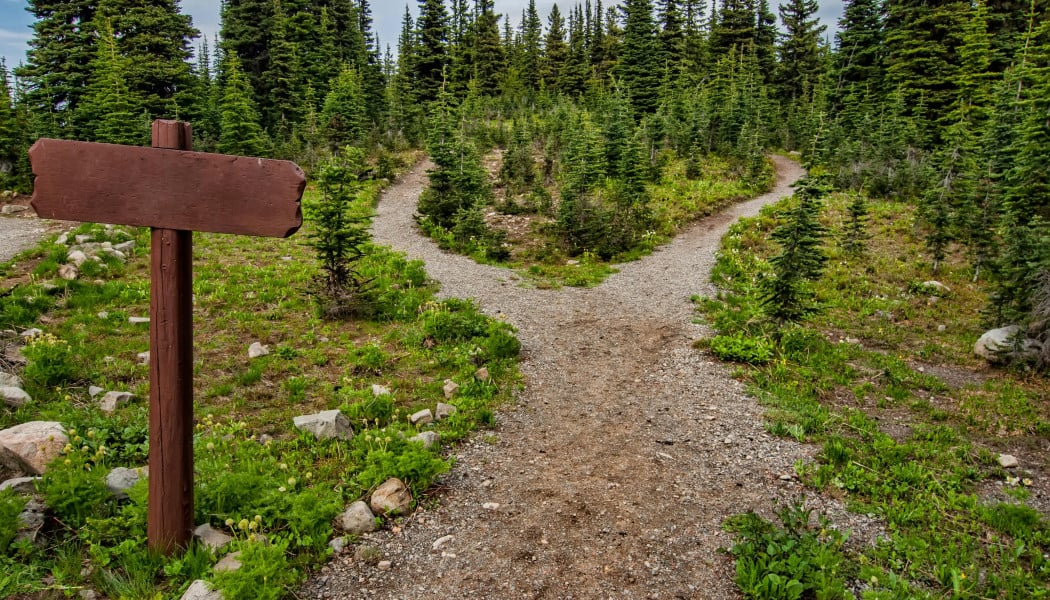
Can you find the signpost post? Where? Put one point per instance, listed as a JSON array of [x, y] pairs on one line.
[[175, 192]]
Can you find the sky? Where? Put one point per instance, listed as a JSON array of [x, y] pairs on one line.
[[15, 22]]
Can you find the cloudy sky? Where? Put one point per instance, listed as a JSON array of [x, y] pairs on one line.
[[15, 21]]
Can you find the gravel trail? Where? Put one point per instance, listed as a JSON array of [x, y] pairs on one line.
[[626, 451], [17, 234]]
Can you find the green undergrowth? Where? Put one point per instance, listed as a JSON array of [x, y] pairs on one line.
[[275, 490], [909, 424], [523, 230]]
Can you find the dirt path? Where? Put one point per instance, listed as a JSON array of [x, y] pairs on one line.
[[625, 454], [17, 234]]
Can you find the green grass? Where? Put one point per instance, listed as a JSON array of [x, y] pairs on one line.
[[245, 290], [869, 353]]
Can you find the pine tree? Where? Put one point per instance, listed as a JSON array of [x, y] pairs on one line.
[[532, 33], [108, 112], [855, 232], [765, 40], [156, 41], [345, 116], [458, 182], [858, 59], [432, 54], [370, 65], [58, 66], [1025, 226], [555, 50], [638, 68], [671, 36], [944, 205], [280, 111], [489, 57], [575, 74], [922, 42], [788, 298], [245, 31], [241, 132], [340, 236], [800, 60], [10, 133], [733, 27]]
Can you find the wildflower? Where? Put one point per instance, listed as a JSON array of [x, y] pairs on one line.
[[291, 481], [229, 522], [258, 518], [67, 449], [253, 526], [68, 462], [282, 489], [243, 524], [1026, 481], [210, 446], [283, 466], [91, 433]]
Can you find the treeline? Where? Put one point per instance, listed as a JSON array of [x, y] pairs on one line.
[[943, 103]]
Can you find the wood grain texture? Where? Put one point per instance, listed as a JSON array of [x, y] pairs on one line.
[[168, 188], [169, 526]]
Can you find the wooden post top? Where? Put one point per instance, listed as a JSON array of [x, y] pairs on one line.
[[170, 189]]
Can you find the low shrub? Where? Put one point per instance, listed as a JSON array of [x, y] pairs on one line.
[[739, 347]]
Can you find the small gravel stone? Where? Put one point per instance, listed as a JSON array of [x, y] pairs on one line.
[[1008, 461]]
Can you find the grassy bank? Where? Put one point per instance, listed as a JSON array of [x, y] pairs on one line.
[[910, 423], [256, 477]]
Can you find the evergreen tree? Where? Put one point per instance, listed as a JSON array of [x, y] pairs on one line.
[[800, 60], [1025, 228], [241, 132], [432, 54], [555, 50], [945, 205], [489, 58], [59, 59], [108, 113], [531, 35], [345, 115], [245, 31], [858, 59], [10, 133], [733, 27], [855, 232], [765, 40], [458, 183], [638, 69], [155, 39], [922, 42], [340, 236], [283, 85], [788, 298], [671, 36], [575, 74]]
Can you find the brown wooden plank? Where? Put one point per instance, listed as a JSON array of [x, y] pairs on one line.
[[171, 189], [170, 511]]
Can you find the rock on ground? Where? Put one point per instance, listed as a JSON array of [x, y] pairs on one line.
[[325, 425], [31, 446], [392, 497]]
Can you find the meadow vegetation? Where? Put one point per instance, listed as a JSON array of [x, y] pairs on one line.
[[256, 477]]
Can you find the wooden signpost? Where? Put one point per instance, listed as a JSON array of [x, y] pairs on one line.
[[175, 192]]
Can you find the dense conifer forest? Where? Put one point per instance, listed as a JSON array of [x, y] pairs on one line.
[[941, 104]]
